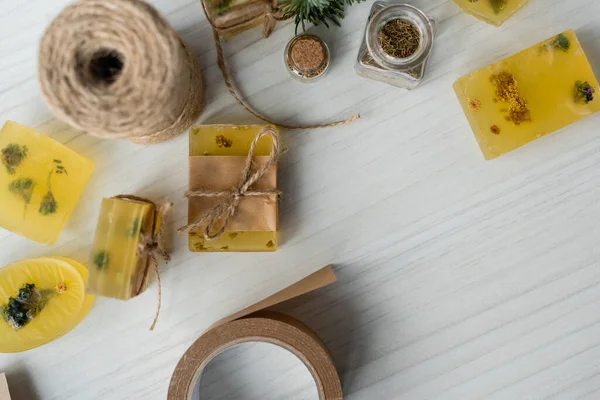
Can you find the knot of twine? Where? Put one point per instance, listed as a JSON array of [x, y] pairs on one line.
[[269, 22], [226, 210], [150, 245], [132, 77]]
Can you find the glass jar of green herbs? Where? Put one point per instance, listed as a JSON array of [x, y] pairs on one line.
[[397, 43]]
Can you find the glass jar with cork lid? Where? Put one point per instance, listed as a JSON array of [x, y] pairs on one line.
[[397, 43], [307, 58]]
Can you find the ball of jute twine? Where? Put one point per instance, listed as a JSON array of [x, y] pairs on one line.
[[116, 69]]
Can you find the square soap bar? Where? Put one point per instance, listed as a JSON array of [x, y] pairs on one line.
[[529, 95], [494, 12], [228, 146], [115, 269], [40, 182]]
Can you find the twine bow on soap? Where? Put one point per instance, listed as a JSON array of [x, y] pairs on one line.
[[150, 245], [226, 210]]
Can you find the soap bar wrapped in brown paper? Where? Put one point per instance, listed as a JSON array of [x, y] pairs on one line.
[[255, 213], [229, 210]]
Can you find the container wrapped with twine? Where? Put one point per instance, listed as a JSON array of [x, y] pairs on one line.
[[116, 69], [230, 17]]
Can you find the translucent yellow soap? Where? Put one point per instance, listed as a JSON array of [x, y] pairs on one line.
[[41, 299], [40, 182], [531, 94], [230, 140], [494, 12], [115, 268]]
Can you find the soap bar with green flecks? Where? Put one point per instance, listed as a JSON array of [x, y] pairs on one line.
[[217, 157], [116, 269], [494, 12], [40, 182], [529, 95]]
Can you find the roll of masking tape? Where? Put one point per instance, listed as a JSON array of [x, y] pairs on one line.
[[265, 327]]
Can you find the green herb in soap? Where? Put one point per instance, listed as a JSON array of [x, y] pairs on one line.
[[134, 229], [12, 156], [101, 259], [22, 187], [25, 306], [48, 205], [562, 42]]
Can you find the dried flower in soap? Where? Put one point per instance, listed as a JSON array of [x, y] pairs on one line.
[[12, 156], [48, 204], [584, 92], [399, 38], [25, 306], [60, 287], [222, 141], [495, 129], [101, 259], [507, 91], [475, 104], [22, 187]]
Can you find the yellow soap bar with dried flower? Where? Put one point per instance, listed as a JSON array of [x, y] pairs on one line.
[[41, 299], [225, 141], [529, 95], [40, 182], [494, 12], [115, 268]]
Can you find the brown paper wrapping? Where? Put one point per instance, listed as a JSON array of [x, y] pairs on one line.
[[252, 325], [222, 173], [4, 393]]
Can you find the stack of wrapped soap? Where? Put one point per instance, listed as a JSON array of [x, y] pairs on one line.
[[41, 299], [529, 95], [40, 182]]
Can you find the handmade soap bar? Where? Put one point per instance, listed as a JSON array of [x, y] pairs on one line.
[[217, 157], [116, 270], [40, 183], [41, 299], [494, 12], [528, 95]]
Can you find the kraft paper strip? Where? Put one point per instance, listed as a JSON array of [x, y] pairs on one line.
[[252, 325], [4, 393], [222, 173]]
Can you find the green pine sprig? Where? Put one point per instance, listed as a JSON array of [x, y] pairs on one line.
[[315, 11]]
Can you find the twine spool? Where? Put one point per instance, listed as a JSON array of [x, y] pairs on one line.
[[116, 69]]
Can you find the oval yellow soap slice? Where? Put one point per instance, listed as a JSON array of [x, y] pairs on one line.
[[39, 301]]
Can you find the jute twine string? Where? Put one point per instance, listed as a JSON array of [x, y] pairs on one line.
[[116, 69], [150, 245], [226, 210], [269, 23]]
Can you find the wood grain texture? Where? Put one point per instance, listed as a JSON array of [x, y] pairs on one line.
[[458, 278]]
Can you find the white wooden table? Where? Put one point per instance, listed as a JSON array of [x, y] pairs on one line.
[[458, 278]]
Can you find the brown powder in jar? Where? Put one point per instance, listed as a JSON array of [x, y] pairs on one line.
[[307, 54]]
